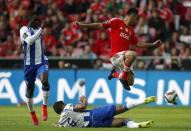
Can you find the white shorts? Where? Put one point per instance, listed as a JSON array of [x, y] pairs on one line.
[[118, 61]]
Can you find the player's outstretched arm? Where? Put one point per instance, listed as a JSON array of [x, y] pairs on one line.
[[148, 45], [28, 38], [89, 25], [82, 105]]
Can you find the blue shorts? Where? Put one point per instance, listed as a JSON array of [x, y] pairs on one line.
[[103, 116], [33, 71]]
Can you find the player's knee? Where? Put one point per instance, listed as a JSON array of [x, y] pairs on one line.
[[130, 56], [45, 86], [29, 90]]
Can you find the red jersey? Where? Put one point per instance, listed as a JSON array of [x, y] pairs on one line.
[[121, 36]]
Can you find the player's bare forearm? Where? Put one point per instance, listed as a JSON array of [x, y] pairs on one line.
[[82, 105], [149, 45], [89, 25]]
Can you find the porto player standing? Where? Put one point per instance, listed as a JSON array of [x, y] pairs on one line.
[[35, 64], [123, 39]]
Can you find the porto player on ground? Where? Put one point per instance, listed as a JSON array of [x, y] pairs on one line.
[[76, 115], [35, 64], [123, 41]]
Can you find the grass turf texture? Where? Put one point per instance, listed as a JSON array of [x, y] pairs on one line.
[[165, 118]]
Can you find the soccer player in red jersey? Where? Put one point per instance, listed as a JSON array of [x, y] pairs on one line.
[[123, 39]]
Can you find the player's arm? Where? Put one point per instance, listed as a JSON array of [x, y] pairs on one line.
[[82, 105], [90, 25], [27, 37], [148, 45]]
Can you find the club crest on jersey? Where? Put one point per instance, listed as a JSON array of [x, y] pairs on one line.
[[107, 22], [123, 35]]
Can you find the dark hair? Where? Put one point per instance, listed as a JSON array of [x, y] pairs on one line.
[[34, 21], [58, 106], [132, 11]]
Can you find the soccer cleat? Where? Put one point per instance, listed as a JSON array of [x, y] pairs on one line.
[[34, 118], [125, 84], [110, 76], [150, 99], [44, 112], [145, 124]]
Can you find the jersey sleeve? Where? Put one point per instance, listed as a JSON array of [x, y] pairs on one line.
[[27, 37], [24, 33], [111, 23], [69, 107]]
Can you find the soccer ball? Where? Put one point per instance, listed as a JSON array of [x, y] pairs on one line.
[[171, 97]]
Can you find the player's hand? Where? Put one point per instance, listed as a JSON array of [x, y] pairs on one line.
[[157, 43], [78, 23], [43, 24], [82, 98]]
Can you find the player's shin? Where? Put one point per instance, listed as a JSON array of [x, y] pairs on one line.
[[29, 103], [130, 105], [32, 112], [29, 95], [46, 93], [45, 97]]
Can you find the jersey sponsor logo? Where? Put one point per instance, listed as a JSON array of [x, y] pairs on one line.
[[25, 35], [123, 35]]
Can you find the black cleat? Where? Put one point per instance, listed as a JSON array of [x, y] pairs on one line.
[[110, 76], [125, 84]]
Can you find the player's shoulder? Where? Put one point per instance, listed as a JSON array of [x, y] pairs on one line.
[[23, 29], [69, 106], [113, 20], [116, 19]]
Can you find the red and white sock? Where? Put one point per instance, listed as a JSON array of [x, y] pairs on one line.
[[123, 75], [115, 74]]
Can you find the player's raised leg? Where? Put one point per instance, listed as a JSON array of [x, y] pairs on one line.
[[130, 105], [29, 95], [123, 61], [128, 58]]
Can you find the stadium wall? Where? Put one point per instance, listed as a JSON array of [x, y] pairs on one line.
[[65, 86]]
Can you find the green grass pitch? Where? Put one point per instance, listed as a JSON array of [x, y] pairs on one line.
[[16, 118]]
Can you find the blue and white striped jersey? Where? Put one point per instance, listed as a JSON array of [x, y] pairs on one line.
[[70, 118], [31, 40]]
